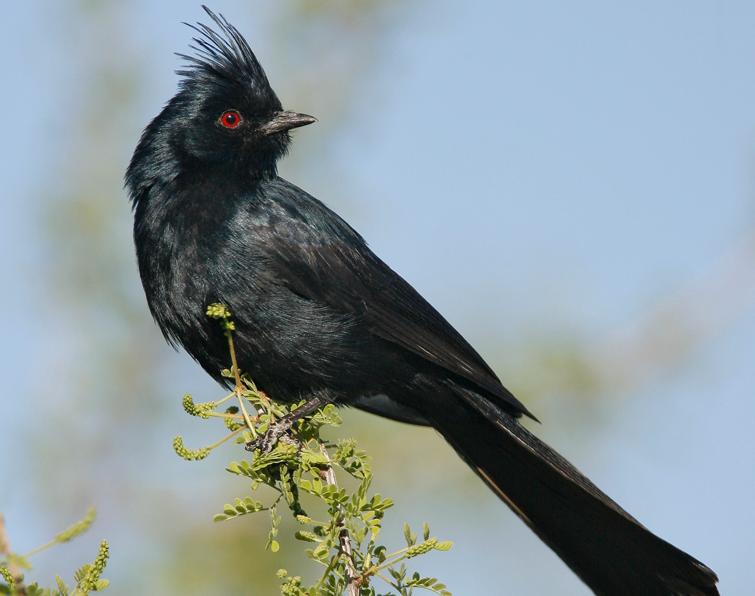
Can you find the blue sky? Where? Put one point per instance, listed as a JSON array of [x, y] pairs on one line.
[[526, 166]]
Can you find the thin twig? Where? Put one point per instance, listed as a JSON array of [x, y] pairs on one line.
[[239, 386], [344, 538]]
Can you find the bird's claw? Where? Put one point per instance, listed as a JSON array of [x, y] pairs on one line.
[[278, 431]]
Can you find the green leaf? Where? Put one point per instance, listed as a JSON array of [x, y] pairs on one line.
[[321, 551], [78, 528], [240, 468], [101, 584], [306, 536], [408, 536]]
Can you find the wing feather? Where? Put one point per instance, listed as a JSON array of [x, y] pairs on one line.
[[323, 259]]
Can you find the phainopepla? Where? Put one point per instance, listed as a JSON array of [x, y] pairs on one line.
[[320, 317]]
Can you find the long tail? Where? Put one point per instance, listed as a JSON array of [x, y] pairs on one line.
[[605, 546]]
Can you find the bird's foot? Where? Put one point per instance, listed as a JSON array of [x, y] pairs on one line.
[[277, 431]]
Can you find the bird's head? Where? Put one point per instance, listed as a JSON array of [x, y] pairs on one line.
[[224, 117]]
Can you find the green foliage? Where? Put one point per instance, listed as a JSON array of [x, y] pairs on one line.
[[324, 485], [78, 528], [88, 578]]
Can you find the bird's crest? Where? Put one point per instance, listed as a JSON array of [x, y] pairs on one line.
[[226, 55]]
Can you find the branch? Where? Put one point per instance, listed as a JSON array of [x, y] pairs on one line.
[[354, 578]]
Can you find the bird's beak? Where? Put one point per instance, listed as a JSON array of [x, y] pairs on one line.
[[285, 121]]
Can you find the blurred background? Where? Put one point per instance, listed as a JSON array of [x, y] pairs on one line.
[[571, 184]]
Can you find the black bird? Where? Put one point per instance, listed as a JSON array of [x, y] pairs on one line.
[[320, 317]]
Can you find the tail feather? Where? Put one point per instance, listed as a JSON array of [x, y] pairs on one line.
[[604, 545]]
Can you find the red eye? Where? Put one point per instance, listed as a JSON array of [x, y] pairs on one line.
[[230, 119]]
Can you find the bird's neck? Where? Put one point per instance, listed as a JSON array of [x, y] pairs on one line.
[[194, 199], [181, 226]]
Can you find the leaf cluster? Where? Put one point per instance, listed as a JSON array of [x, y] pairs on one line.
[[88, 578], [324, 485]]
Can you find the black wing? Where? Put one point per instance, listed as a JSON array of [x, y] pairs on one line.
[[318, 255]]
